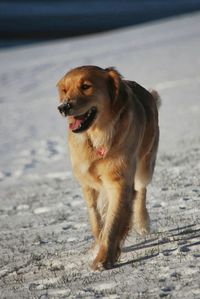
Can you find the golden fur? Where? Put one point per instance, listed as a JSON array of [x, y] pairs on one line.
[[115, 157]]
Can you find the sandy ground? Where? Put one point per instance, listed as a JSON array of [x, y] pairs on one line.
[[45, 236]]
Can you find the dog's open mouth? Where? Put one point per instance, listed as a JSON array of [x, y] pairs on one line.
[[82, 122]]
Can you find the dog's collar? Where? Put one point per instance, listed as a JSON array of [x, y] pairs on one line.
[[101, 151]]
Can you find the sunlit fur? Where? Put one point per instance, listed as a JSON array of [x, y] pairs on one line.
[[126, 128]]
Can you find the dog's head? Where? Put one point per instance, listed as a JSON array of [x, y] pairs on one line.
[[88, 94]]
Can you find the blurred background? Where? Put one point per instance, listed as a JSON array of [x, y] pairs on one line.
[[35, 20], [155, 42]]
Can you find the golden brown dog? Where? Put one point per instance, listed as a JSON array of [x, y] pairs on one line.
[[113, 141]]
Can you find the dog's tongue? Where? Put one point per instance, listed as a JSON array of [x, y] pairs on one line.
[[74, 123]]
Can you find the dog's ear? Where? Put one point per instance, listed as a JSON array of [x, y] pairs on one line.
[[117, 88]]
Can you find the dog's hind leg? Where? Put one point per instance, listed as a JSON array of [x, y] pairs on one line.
[[140, 214], [143, 176]]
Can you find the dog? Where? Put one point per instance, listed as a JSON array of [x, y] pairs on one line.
[[113, 140]]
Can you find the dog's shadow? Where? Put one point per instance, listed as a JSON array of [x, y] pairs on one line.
[[179, 236]]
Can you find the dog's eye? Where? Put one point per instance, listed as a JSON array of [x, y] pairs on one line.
[[85, 86], [64, 90]]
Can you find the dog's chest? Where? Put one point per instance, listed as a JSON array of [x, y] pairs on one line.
[[84, 167], [85, 162], [87, 173]]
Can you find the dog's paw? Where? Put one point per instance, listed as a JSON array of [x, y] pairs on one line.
[[142, 227], [104, 259], [100, 265], [141, 222], [96, 266], [142, 230]]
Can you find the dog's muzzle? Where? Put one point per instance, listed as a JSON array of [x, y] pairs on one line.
[[65, 108]]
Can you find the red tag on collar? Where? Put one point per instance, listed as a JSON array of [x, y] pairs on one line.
[[101, 151]]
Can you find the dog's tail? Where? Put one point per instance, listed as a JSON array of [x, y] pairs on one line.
[[156, 97]]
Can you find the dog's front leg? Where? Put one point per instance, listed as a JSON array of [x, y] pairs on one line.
[[117, 223], [91, 196]]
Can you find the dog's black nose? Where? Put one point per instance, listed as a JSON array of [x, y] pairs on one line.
[[64, 108]]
